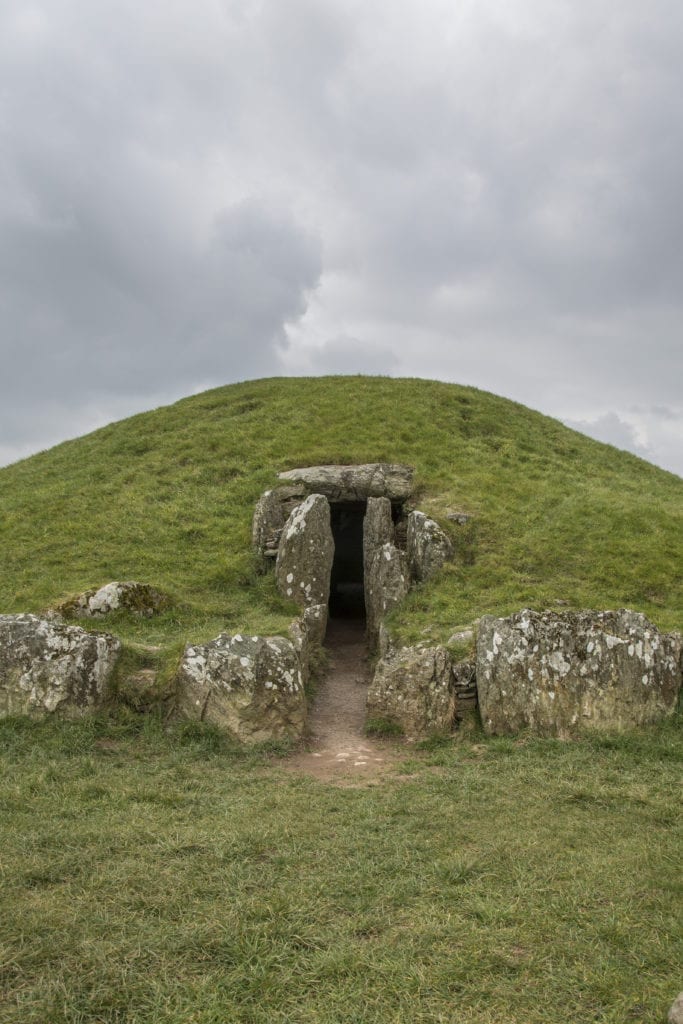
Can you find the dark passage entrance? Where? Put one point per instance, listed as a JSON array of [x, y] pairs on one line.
[[347, 599]]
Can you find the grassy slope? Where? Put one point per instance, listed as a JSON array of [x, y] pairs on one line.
[[167, 497]]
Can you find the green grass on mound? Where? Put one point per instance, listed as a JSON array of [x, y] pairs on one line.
[[167, 497]]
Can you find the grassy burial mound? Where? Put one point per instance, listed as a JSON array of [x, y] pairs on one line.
[[153, 873], [167, 497]]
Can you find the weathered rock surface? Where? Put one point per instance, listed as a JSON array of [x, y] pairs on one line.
[[138, 598], [675, 1014], [464, 683], [305, 554], [307, 633], [269, 518], [252, 687], [557, 673], [386, 584], [428, 547], [355, 483], [47, 667], [378, 528], [461, 518], [412, 688]]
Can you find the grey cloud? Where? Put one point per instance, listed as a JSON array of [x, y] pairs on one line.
[[346, 355], [613, 430], [483, 193]]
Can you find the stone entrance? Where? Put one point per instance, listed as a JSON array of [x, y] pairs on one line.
[[347, 594], [344, 541], [324, 526]]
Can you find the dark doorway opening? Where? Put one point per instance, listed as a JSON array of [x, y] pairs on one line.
[[347, 597]]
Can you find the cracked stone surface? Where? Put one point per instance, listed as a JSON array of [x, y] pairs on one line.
[[305, 553], [428, 547], [355, 483], [250, 686], [558, 673], [412, 688], [47, 667]]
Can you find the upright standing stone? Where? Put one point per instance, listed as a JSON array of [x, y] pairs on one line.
[[269, 518], [428, 547], [386, 584], [556, 673], [378, 529], [305, 553]]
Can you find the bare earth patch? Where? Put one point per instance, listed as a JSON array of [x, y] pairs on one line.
[[337, 750]]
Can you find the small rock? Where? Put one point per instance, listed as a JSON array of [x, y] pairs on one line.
[[464, 636], [461, 518], [675, 1015], [139, 598]]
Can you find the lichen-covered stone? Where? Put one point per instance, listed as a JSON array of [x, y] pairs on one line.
[[269, 519], [252, 687], [428, 547], [412, 689], [305, 553], [378, 529], [355, 483], [138, 598], [47, 667], [386, 584], [558, 673], [307, 633]]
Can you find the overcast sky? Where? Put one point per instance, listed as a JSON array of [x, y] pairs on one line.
[[487, 192]]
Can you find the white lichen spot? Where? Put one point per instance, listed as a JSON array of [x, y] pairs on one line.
[[531, 674], [290, 577], [558, 663], [551, 694]]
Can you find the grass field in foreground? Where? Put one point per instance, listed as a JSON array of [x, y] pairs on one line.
[[163, 878]]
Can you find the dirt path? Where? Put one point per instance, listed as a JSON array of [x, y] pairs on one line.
[[337, 750]]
